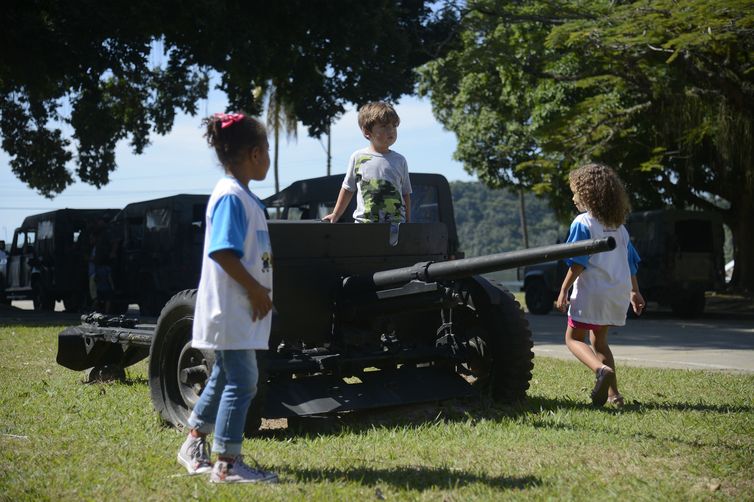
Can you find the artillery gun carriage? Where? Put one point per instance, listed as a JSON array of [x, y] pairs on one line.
[[359, 322]]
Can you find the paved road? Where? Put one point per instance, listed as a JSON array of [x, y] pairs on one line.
[[716, 341]]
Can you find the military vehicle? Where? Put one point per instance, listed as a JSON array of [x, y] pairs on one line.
[[681, 258], [359, 321], [48, 257], [159, 250]]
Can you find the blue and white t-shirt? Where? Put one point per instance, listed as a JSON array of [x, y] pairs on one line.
[[602, 293], [222, 318]]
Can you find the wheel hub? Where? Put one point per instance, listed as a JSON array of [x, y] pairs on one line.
[[193, 371]]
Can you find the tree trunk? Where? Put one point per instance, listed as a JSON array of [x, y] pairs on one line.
[[277, 181], [742, 229]]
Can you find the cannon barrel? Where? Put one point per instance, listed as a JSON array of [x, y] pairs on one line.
[[456, 269]]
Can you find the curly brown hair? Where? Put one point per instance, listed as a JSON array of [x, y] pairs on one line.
[[602, 192]]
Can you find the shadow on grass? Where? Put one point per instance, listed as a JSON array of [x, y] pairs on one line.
[[536, 403], [404, 416], [413, 477], [458, 411], [541, 421]]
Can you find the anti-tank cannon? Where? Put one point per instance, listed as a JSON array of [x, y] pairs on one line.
[[358, 323]]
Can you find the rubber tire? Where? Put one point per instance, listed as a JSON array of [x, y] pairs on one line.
[[42, 300], [538, 299], [172, 335], [507, 345], [72, 302], [688, 304]]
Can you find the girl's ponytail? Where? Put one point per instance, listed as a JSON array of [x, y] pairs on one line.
[[233, 135]]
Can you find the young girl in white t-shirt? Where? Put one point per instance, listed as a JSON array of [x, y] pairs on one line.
[[604, 284], [233, 302]]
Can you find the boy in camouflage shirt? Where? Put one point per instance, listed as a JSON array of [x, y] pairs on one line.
[[377, 174]]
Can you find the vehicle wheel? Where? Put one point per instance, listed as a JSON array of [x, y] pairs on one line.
[[72, 302], [177, 371], [499, 343], [42, 300], [538, 299], [688, 303]]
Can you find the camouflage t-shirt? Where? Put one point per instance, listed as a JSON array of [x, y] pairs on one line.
[[380, 181]]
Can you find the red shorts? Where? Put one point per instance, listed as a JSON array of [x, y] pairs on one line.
[[582, 325]]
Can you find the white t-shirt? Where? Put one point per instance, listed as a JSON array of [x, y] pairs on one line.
[[222, 319], [380, 181], [602, 292]]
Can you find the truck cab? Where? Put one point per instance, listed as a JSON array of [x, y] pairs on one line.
[[160, 244], [313, 199]]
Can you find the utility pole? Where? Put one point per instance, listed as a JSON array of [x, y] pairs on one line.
[[329, 154], [522, 214]]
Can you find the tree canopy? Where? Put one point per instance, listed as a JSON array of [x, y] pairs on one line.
[[88, 67], [662, 90]]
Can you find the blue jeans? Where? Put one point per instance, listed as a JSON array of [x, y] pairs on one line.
[[225, 400]]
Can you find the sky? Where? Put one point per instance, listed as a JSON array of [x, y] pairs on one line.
[[181, 162]]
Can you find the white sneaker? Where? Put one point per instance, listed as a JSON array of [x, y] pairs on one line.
[[238, 472], [194, 455]]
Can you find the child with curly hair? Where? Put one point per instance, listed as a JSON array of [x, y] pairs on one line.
[[604, 284]]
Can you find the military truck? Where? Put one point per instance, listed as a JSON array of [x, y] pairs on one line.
[[682, 257], [159, 250], [681, 253], [48, 257], [360, 321]]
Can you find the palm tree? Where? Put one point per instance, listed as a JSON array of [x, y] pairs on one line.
[[280, 117]]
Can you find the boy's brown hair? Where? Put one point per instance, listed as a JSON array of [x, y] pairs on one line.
[[377, 112]]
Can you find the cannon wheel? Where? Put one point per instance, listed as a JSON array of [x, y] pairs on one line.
[[499, 341], [177, 371]]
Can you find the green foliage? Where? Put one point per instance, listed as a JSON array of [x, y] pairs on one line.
[[662, 90], [120, 70], [684, 435], [489, 221]]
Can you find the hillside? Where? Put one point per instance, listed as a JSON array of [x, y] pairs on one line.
[[488, 220]]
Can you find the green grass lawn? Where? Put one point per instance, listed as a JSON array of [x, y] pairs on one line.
[[683, 435]]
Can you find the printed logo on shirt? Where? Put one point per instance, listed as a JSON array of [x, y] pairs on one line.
[[382, 201], [265, 249]]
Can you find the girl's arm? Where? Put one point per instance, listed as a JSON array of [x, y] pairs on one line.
[[407, 203], [259, 296], [574, 271], [344, 197], [637, 301]]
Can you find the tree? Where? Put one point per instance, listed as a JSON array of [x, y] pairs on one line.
[[280, 116], [662, 90], [87, 67]]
